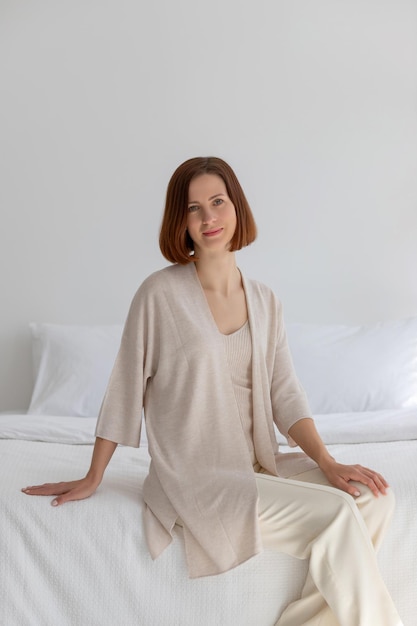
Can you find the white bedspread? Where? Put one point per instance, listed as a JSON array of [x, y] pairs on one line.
[[86, 563]]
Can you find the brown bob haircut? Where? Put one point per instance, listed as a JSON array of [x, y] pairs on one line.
[[174, 241]]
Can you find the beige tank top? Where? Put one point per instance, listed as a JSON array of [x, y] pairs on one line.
[[238, 347]]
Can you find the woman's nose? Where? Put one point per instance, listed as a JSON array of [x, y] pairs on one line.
[[208, 215]]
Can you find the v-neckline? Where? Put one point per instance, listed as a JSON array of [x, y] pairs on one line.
[[209, 311]]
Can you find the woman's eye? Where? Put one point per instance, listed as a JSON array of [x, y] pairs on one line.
[[193, 208], [218, 201]]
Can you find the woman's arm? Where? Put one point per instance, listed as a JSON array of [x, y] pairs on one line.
[[306, 436], [83, 488]]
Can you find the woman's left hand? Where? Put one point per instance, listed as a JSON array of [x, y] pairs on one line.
[[340, 476]]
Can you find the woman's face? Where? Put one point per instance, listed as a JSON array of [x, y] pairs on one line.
[[211, 220]]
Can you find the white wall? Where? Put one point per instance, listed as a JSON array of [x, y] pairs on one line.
[[312, 102]]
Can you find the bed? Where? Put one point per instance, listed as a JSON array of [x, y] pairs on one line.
[[86, 563]]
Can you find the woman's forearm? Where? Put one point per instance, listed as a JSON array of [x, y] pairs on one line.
[[102, 453], [305, 435], [339, 475]]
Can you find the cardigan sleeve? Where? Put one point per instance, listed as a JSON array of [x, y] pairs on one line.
[[289, 400], [120, 415]]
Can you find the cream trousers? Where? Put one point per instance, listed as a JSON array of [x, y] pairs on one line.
[[305, 517]]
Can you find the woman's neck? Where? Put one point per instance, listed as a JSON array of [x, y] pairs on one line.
[[219, 274]]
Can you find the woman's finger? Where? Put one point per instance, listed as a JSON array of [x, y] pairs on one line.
[[70, 496], [65, 491], [341, 476], [374, 474], [345, 485], [375, 481], [48, 489]]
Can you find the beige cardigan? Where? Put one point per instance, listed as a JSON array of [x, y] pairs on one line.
[[172, 362]]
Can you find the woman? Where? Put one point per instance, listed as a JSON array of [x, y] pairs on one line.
[[204, 351]]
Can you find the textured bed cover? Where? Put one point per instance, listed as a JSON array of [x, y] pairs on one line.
[[86, 563]]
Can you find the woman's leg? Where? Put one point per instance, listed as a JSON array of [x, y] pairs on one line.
[[320, 523], [376, 512]]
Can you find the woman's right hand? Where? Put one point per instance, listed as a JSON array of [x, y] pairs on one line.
[[79, 489], [66, 491]]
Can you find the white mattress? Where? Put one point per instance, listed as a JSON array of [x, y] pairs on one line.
[[86, 563]]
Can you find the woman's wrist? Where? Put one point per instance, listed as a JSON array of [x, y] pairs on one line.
[[325, 461], [94, 477]]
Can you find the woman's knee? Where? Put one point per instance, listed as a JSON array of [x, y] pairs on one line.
[[293, 514], [376, 511], [381, 504]]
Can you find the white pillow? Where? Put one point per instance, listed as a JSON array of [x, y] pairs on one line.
[[72, 366], [356, 368]]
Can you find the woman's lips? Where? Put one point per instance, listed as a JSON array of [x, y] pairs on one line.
[[211, 233]]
